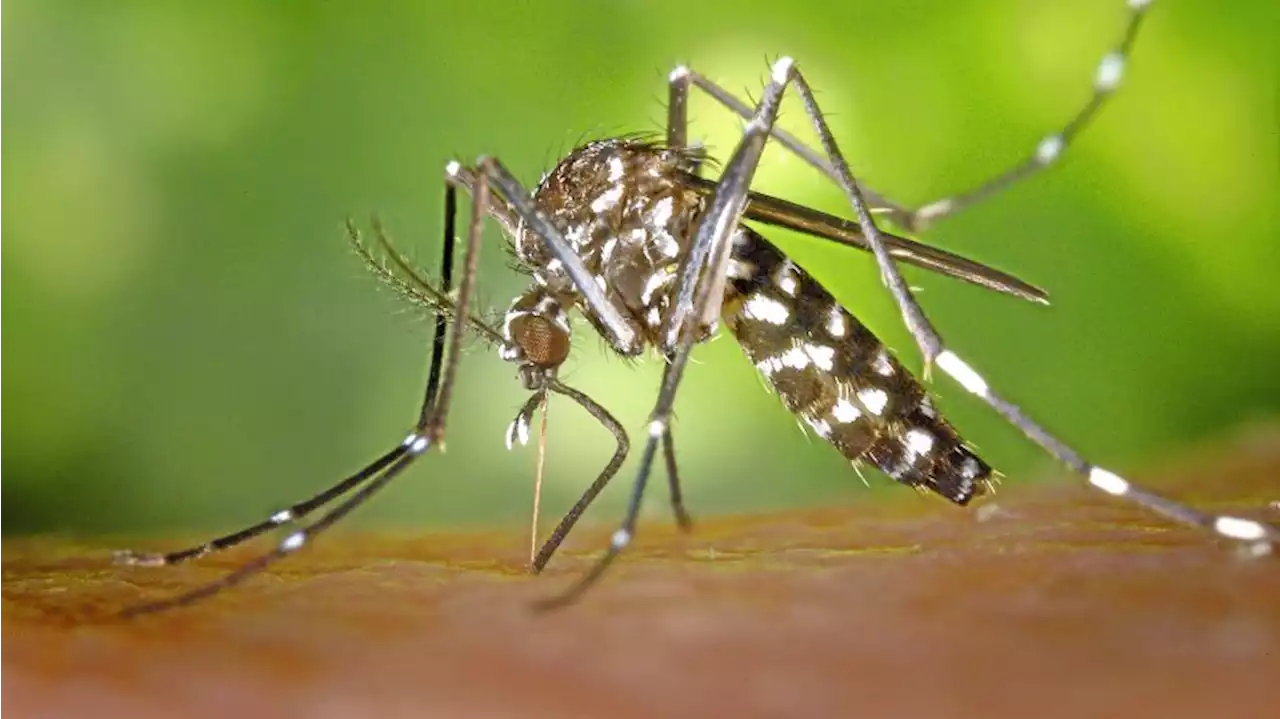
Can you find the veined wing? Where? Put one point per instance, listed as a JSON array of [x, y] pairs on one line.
[[782, 213]]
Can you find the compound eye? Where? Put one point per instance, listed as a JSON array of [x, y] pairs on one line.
[[544, 343]]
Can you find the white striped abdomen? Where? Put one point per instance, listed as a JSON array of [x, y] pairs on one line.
[[837, 376]]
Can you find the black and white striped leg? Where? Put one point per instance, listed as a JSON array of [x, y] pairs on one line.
[[683, 77], [300, 510], [289, 515], [428, 433], [696, 293], [935, 353], [1107, 78]]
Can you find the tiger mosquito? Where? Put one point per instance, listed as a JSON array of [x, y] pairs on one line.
[[627, 232]]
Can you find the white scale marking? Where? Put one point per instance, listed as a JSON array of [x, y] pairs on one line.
[[769, 365], [293, 542], [657, 427], [561, 320], [546, 306], [1110, 70], [607, 199], [882, 365], [926, 407], [507, 321], [766, 309], [960, 370], [837, 325], [660, 278], [661, 213], [785, 278], [796, 358], [935, 209], [820, 427], [782, 69], [616, 169], [823, 357], [522, 429], [518, 431], [740, 270], [654, 318], [919, 442], [789, 285], [1049, 149], [1237, 528], [874, 399], [1108, 482], [284, 516], [845, 412], [668, 246]]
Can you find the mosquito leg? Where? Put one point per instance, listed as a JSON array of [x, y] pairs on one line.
[[684, 77], [1106, 80], [426, 435], [437, 418], [936, 353], [291, 543], [710, 252], [300, 510], [285, 516], [623, 445], [683, 520], [678, 107]]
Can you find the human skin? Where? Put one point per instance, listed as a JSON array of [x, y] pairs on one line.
[[1050, 601]]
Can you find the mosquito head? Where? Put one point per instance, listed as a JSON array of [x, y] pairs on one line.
[[537, 334]]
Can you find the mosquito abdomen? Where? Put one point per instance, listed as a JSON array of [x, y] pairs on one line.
[[837, 376]]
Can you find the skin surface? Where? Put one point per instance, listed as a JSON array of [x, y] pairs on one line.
[[1046, 600]]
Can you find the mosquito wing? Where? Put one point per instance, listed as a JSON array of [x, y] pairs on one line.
[[781, 213]]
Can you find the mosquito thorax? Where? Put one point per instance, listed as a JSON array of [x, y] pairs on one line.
[[627, 209]]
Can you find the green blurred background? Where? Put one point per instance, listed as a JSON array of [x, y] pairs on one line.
[[192, 344]]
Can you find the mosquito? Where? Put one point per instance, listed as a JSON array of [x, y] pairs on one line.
[[627, 232]]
